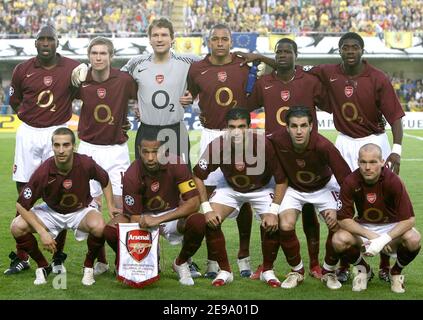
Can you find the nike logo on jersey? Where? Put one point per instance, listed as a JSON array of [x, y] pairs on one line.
[[204, 72], [333, 79], [30, 74], [357, 190], [51, 181], [84, 85], [141, 70], [267, 87]]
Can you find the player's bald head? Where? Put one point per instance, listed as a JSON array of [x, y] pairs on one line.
[[47, 31], [370, 148]]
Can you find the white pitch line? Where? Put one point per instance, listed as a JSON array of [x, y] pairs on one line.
[[412, 136]]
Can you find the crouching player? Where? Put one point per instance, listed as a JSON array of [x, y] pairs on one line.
[[247, 163], [62, 181], [152, 190], [384, 222]]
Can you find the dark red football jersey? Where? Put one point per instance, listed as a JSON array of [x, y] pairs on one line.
[[277, 97], [63, 193], [358, 103], [311, 170], [386, 201], [44, 97], [105, 108], [219, 88], [144, 192], [238, 172]]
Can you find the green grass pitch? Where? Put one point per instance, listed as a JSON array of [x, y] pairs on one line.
[[21, 286]]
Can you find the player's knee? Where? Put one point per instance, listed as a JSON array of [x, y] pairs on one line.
[[412, 240], [286, 225], [196, 224], [96, 225], [19, 227], [340, 241]]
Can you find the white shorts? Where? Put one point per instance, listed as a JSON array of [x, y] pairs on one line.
[[207, 136], [324, 199], [260, 199], [56, 222], [169, 230], [112, 158], [380, 229], [33, 146], [349, 147]]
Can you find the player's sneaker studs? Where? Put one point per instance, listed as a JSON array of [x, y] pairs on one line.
[[331, 281], [270, 278], [88, 277], [183, 273], [222, 278], [244, 267], [212, 269], [292, 280], [57, 264], [16, 265]]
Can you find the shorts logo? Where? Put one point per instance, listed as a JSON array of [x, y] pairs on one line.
[[129, 200], [67, 184], [285, 95], [240, 166], [301, 162], [11, 91], [27, 193], [203, 164], [48, 80], [159, 78], [138, 244], [155, 186], [371, 197], [349, 91], [15, 167], [101, 92], [222, 76]]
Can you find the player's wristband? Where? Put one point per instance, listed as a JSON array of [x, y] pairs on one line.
[[206, 207], [397, 148], [274, 208]]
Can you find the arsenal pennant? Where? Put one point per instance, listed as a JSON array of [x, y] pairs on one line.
[[138, 244], [349, 91], [371, 197], [222, 76], [48, 80], [159, 78], [101, 92], [285, 95]]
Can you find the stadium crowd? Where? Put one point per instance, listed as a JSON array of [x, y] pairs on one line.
[[123, 18]]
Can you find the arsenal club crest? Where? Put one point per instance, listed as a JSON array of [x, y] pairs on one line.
[[349, 90], [155, 186], [101, 92], [138, 244], [301, 162], [222, 76], [67, 184], [48, 80], [240, 166], [371, 197], [285, 95], [159, 78]]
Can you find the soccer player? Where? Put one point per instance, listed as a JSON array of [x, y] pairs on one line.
[[288, 85], [313, 166], [105, 95], [220, 82], [384, 221], [41, 95], [248, 163], [62, 181], [153, 187], [361, 96]]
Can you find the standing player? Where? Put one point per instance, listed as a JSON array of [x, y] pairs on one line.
[[361, 96], [313, 166], [220, 83], [247, 161], [152, 192], [385, 219], [41, 95], [62, 181], [105, 95], [288, 86]]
